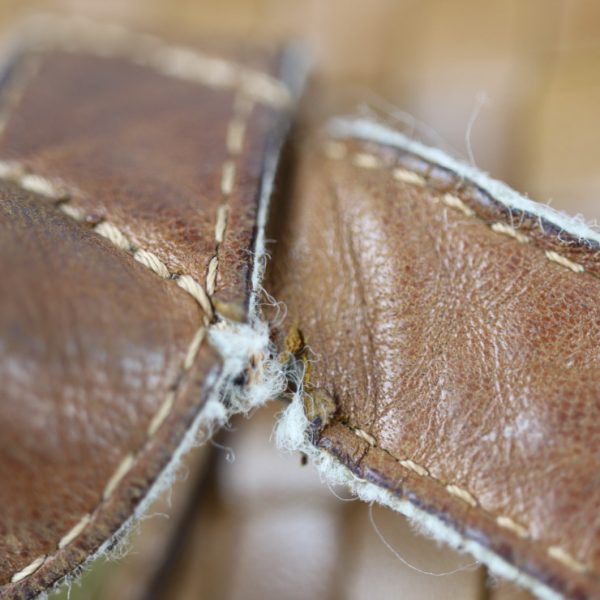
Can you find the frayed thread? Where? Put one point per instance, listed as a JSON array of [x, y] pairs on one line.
[[292, 435]]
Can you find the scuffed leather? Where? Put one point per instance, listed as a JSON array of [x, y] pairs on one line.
[[92, 341], [457, 350]]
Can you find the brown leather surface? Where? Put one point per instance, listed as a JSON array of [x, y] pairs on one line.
[[112, 204], [464, 363]]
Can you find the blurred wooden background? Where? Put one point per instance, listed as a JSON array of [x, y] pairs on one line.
[[524, 79]]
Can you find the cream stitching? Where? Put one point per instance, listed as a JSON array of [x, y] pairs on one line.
[[564, 261], [366, 436], [234, 143], [408, 177], [413, 466], [510, 231], [336, 150], [455, 202], [31, 568], [508, 523], [12, 172], [15, 173], [176, 62], [76, 34], [461, 493], [116, 477], [566, 559], [74, 531]]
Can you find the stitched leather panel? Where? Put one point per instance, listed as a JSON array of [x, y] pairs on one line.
[[129, 201], [154, 154], [464, 360], [92, 343]]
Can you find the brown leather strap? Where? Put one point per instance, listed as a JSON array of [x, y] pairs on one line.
[[460, 342], [130, 178]]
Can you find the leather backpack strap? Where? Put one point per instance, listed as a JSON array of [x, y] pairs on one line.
[[450, 350], [133, 176]]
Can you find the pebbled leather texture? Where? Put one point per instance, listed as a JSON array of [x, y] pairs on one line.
[[128, 220], [461, 344]]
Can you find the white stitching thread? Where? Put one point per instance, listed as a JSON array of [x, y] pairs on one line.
[[81, 35], [255, 87], [120, 472], [336, 150], [509, 231], [31, 568], [74, 531], [234, 143], [508, 523], [564, 261], [16, 174], [462, 494]]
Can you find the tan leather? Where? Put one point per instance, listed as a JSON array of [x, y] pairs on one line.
[[87, 187], [129, 201], [460, 348]]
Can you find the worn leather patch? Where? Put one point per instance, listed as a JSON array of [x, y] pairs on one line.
[[130, 177], [461, 344]]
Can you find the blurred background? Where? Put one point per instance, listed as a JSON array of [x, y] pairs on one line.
[[513, 86]]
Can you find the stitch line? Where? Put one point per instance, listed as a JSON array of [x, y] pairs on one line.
[[336, 150], [234, 144], [16, 174], [107, 40], [255, 87], [555, 552]]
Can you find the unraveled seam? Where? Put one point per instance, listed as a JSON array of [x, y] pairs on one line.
[[368, 130], [291, 435], [80, 34], [251, 373]]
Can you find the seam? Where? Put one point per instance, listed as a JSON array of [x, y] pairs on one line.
[[189, 65], [44, 187], [234, 143], [555, 552], [61, 198], [336, 150], [126, 464], [109, 40]]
